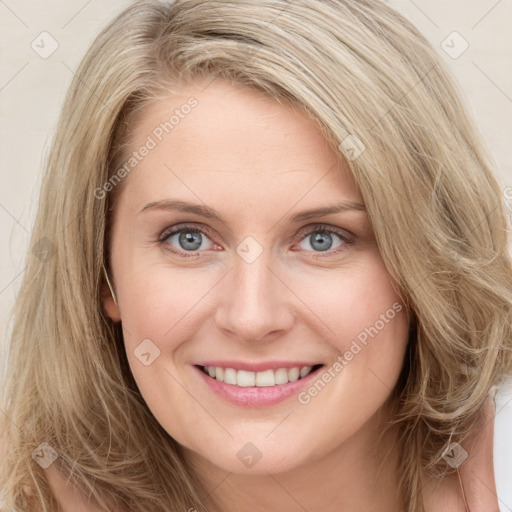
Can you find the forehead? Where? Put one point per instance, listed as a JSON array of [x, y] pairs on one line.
[[228, 139]]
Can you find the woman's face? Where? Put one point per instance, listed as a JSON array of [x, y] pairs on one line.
[[220, 261]]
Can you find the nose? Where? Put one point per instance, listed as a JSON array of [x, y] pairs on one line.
[[256, 303]]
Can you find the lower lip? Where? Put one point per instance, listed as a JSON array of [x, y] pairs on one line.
[[254, 396]]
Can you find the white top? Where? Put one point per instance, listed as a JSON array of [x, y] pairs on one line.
[[502, 449]]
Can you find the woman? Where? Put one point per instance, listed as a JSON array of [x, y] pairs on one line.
[[270, 272]]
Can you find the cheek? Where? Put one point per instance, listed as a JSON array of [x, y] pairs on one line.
[[161, 313], [161, 303], [158, 319], [366, 323], [353, 303], [368, 329]]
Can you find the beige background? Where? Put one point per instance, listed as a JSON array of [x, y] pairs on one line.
[[32, 89]]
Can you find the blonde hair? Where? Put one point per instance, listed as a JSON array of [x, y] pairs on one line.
[[365, 75]]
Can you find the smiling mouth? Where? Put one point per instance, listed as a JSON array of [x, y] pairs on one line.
[[267, 378]]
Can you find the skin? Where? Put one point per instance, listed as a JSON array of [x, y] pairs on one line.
[[258, 163]]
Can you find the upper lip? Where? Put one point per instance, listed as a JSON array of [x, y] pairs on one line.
[[258, 367]]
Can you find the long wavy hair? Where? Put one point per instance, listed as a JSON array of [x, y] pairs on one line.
[[386, 102]]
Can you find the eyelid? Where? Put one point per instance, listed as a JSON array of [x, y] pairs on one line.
[[176, 228], [345, 235]]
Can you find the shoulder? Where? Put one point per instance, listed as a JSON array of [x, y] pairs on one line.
[[502, 449]]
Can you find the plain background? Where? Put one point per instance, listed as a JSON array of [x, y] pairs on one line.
[[32, 89]]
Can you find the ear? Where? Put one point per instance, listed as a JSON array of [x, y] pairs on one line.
[[111, 308]]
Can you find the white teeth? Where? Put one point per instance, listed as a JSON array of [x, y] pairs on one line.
[[304, 371], [281, 376], [229, 376], [266, 378], [245, 379], [293, 374]]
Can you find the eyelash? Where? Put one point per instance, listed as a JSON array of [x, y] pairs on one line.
[[346, 237]]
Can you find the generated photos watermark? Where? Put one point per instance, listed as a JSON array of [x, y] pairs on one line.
[[342, 361], [152, 140]]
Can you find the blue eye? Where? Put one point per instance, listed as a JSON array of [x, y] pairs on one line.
[[322, 240], [189, 240]]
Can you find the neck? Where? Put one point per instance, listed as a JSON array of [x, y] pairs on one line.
[[361, 474]]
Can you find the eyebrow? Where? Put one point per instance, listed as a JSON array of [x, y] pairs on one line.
[[210, 213]]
